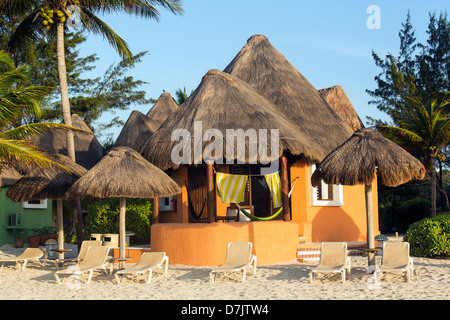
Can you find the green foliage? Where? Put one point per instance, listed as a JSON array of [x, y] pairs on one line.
[[103, 217], [430, 237]]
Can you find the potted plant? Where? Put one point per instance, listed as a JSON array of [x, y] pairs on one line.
[[34, 239], [47, 233], [19, 240]]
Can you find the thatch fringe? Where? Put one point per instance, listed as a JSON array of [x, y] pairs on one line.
[[222, 102], [364, 156], [125, 173], [48, 182]]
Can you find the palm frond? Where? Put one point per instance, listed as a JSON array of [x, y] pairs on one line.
[[29, 130], [22, 153], [97, 26]]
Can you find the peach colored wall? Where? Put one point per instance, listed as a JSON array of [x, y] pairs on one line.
[[320, 223], [181, 215], [202, 244]]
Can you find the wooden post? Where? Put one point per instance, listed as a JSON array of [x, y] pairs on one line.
[[210, 194], [285, 188], [155, 213], [122, 230], [370, 236], [59, 217]]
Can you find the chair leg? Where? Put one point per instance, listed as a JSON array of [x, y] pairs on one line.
[[311, 277], [343, 275], [24, 265], [243, 275], [90, 276], [150, 276], [58, 279]]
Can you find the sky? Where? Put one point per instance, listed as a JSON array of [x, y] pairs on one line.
[[328, 41]]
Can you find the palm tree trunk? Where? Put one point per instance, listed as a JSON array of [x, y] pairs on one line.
[[64, 89], [433, 183], [65, 103]]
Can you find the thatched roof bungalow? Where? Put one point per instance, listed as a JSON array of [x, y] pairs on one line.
[[140, 127], [88, 150], [339, 101], [261, 90]]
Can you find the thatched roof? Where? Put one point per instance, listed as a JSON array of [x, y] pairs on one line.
[[273, 76], [339, 101], [88, 150], [366, 152], [136, 131], [9, 176], [125, 173], [47, 182], [222, 102], [162, 109]]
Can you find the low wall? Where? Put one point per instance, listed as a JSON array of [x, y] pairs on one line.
[[202, 244]]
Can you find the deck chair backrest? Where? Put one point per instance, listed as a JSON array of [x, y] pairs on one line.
[[239, 253], [31, 253], [151, 258], [395, 254], [333, 253], [85, 245], [95, 256]]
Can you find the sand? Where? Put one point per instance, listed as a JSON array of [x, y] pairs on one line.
[[283, 281]]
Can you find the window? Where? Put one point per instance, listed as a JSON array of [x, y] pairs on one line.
[[326, 195], [166, 204], [35, 204]]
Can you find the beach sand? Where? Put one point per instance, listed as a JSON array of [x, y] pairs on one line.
[[283, 281]]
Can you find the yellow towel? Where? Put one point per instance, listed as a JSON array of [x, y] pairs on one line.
[[274, 183], [231, 187]]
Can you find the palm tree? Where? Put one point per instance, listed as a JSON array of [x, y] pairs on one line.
[[424, 126], [16, 102], [50, 15], [181, 95]]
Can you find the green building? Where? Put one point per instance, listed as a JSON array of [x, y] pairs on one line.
[[22, 216]]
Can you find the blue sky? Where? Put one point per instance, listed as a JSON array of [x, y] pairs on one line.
[[328, 41]]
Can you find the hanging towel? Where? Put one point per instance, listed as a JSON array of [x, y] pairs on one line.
[[231, 187], [274, 183]]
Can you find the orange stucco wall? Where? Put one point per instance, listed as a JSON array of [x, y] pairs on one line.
[[203, 244], [330, 223]]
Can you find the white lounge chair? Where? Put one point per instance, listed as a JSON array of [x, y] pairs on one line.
[[333, 259], [81, 254], [29, 255], [96, 258], [147, 263], [396, 258], [239, 256]]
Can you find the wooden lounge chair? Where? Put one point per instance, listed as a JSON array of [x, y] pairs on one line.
[[97, 257], [239, 256], [396, 258], [147, 263], [333, 259], [81, 254], [29, 255]]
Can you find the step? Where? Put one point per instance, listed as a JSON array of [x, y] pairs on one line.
[[311, 251]]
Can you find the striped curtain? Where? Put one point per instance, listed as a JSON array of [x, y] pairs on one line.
[[231, 187], [274, 182]]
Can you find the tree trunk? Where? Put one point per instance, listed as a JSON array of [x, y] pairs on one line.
[[122, 230], [433, 184], [369, 217], [77, 216]]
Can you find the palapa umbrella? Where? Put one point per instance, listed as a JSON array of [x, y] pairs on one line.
[[365, 155], [124, 173], [48, 183]]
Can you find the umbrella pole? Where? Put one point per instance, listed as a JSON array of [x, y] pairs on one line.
[[370, 236], [59, 217], [122, 231]]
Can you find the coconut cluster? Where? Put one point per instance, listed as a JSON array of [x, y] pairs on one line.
[[50, 15]]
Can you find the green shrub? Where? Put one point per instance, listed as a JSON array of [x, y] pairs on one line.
[[103, 217], [430, 237]]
